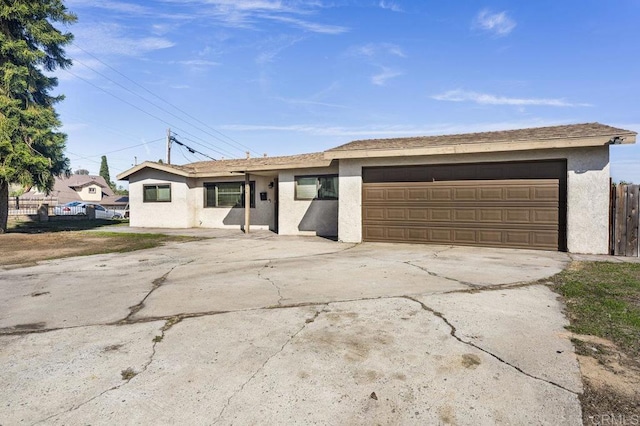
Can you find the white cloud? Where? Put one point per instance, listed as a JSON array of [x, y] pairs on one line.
[[247, 13], [371, 50], [386, 74], [498, 24], [378, 131], [310, 26], [489, 99], [392, 6], [197, 63], [309, 102], [271, 48], [110, 39]]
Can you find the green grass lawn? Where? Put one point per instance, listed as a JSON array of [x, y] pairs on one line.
[[603, 299]]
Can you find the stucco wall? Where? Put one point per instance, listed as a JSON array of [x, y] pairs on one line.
[[85, 195], [262, 216], [178, 213], [315, 217], [587, 191]]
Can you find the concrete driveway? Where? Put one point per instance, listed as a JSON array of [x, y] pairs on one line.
[[264, 329]]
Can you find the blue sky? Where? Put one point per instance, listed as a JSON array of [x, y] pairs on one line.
[[286, 77]]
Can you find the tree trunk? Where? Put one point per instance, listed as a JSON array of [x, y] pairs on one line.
[[4, 205]]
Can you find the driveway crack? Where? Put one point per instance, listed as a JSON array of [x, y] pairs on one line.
[[433, 274], [284, 345], [270, 281], [168, 324], [155, 284], [453, 333]]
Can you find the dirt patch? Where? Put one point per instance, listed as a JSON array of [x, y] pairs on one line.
[[18, 249], [611, 381]]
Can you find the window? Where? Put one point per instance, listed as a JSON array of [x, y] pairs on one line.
[[157, 193], [317, 187], [228, 194], [92, 190]]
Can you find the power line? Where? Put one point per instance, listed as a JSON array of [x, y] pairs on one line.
[[191, 150], [147, 100], [110, 129], [123, 149], [142, 110], [153, 104], [237, 144]]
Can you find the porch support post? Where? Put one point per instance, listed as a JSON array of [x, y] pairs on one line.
[[247, 203]]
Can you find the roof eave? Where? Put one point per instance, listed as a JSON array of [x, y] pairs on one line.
[[474, 148], [156, 166], [264, 168]]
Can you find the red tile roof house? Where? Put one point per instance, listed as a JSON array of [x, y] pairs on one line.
[[541, 188]]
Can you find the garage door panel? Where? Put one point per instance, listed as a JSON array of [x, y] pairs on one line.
[[518, 215], [418, 214], [504, 213], [440, 194], [465, 194], [374, 213], [518, 194], [396, 214], [440, 215], [465, 215], [522, 238], [545, 216], [446, 235], [465, 236], [416, 234], [546, 193], [490, 194], [374, 233], [372, 194], [395, 194], [396, 233], [490, 215], [440, 235], [417, 194]]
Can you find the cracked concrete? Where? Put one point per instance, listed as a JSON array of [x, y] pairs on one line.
[[269, 330]]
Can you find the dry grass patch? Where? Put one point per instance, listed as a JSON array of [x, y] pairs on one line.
[[603, 306], [23, 249]]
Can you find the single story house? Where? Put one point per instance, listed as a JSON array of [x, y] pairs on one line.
[[540, 188], [88, 188]]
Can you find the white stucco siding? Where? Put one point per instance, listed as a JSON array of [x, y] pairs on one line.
[[588, 201], [178, 213], [302, 217], [587, 191], [262, 216]]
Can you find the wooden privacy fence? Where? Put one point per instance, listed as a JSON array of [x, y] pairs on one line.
[[625, 219]]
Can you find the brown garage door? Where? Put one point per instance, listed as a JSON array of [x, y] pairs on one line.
[[497, 204]]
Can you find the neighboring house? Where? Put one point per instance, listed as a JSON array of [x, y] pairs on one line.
[[79, 188], [542, 188]]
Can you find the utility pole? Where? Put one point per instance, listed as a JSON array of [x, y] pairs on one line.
[[168, 146]]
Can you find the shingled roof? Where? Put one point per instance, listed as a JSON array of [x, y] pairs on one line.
[[566, 136], [572, 131], [315, 159], [226, 167]]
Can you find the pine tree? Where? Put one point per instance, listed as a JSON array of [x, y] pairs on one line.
[[104, 170], [31, 148]]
